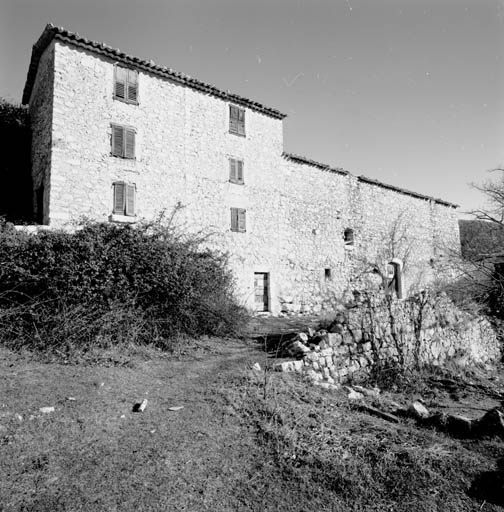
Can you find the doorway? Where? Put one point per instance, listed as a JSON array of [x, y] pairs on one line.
[[261, 291]]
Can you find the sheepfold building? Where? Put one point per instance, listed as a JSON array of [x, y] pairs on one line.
[[120, 139]]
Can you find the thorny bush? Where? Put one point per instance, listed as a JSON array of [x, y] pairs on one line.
[[106, 284]]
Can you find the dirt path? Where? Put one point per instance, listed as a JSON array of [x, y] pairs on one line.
[[94, 453]]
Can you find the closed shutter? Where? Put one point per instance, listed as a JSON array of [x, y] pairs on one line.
[[130, 143], [119, 198], [239, 171], [232, 169], [236, 120], [132, 86], [234, 219], [130, 200], [241, 122], [117, 140], [120, 82], [241, 221]]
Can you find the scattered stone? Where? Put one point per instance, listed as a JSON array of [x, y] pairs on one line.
[[353, 395], [71, 398], [491, 423], [140, 407], [19, 417], [256, 367], [176, 408], [337, 328], [310, 332], [46, 410], [418, 410], [289, 366], [296, 349], [303, 337], [373, 393], [376, 412]]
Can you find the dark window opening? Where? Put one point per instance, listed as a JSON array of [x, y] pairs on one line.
[[327, 274], [348, 237]]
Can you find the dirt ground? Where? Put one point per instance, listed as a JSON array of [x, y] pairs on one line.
[[214, 453]]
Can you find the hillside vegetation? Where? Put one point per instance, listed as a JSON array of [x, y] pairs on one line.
[[105, 285]]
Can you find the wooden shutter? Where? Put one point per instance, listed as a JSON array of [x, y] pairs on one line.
[[234, 114], [241, 220], [119, 198], [129, 151], [117, 140], [241, 121], [130, 200], [234, 219], [232, 169], [120, 82], [132, 86], [239, 171]]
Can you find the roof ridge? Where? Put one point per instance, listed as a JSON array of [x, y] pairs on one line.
[[365, 179], [53, 32]]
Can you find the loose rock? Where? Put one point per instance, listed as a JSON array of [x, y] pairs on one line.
[[46, 410], [418, 410]]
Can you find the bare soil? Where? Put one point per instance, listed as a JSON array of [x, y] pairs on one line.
[[243, 440]]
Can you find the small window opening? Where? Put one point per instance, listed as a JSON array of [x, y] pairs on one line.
[[327, 274], [348, 237]]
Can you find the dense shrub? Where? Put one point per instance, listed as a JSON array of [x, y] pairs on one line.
[[107, 284], [15, 171]]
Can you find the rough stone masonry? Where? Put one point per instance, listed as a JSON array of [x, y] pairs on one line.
[[307, 231]]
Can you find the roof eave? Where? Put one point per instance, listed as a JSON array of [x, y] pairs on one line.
[[51, 32]]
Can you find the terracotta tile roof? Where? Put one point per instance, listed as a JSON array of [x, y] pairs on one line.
[[303, 160], [364, 179], [51, 32]]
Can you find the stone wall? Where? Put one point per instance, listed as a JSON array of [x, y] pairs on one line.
[[426, 329], [296, 212], [41, 117]]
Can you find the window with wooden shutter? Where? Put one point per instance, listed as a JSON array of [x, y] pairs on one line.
[[130, 200], [236, 171], [124, 199], [119, 198], [126, 84], [238, 223], [123, 142], [236, 120]]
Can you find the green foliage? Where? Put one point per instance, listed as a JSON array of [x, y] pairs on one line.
[[15, 170], [107, 284]]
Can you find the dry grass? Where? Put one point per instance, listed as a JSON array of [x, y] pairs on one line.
[[244, 440]]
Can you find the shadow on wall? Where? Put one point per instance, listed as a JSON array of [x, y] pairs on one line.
[[15, 168]]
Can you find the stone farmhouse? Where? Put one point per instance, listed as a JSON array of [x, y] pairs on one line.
[[119, 139]]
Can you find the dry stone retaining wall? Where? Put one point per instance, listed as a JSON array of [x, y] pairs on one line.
[[422, 330]]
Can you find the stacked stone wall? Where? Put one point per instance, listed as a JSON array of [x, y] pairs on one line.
[[423, 330]]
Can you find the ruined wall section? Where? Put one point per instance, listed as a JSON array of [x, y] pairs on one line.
[[398, 225], [319, 205], [424, 330], [41, 116]]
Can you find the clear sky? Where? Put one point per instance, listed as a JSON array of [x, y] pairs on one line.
[[410, 92]]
